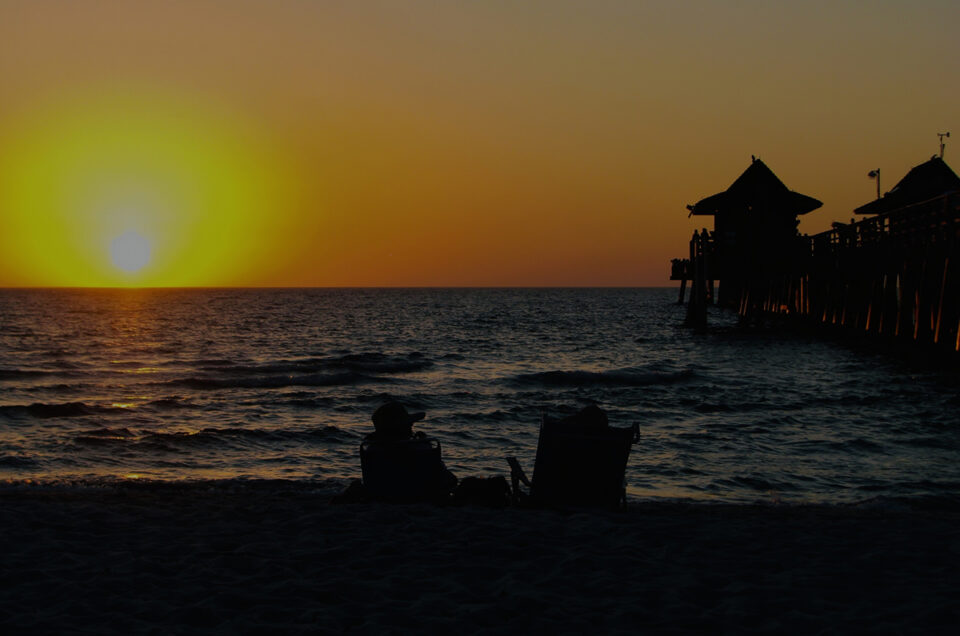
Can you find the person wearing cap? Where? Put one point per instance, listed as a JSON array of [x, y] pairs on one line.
[[400, 465], [392, 422]]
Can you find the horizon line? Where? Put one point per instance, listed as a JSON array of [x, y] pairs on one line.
[[201, 287]]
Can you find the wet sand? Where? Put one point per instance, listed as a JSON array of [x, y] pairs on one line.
[[182, 561]]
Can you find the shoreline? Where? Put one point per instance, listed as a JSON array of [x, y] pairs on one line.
[[110, 561]]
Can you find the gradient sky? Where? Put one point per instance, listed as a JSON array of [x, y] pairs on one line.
[[297, 142]]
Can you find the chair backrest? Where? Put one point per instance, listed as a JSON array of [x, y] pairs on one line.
[[402, 471], [581, 468]]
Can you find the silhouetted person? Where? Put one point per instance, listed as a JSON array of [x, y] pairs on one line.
[[400, 465], [591, 419], [581, 461], [392, 422]]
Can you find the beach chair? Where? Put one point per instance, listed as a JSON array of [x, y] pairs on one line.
[[405, 470], [577, 467]]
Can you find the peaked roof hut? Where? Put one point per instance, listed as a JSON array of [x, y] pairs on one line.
[[755, 230], [927, 181], [757, 189]]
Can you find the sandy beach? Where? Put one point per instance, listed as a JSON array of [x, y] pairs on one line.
[[169, 560]]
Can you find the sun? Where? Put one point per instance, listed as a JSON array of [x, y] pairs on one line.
[[130, 251], [139, 187]]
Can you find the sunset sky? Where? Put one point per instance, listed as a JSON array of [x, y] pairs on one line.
[[303, 143]]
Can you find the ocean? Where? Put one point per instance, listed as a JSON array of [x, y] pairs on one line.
[[214, 387]]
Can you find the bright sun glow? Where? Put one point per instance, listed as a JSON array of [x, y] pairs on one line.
[[130, 251], [136, 189]]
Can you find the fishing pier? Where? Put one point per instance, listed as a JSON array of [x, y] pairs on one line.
[[895, 274]]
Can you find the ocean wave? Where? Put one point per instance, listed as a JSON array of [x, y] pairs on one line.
[[382, 363], [619, 377], [379, 362], [112, 437], [216, 435], [106, 434], [305, 403], [274, 381], [18, 461], [741, 406], [230, 486], [54, 353], [214, 362], [267, 368], [43, 410], [930, 441], [123, 431], [854, 446], [357, 362], [153, 349], [21, 374], [168, 404], [756, 482], [54, 388], [175, 441], [493, 415]]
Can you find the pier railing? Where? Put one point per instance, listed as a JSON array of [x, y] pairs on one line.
[[931, 220]]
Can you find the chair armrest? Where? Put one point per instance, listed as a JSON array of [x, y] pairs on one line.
[[516, 473]]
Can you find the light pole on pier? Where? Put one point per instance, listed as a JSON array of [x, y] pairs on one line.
[[875, 174]]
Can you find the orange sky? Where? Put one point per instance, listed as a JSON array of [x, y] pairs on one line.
[[441, 143]]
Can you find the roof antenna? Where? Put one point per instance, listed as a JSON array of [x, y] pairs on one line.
[[875, 174], [942, 144]]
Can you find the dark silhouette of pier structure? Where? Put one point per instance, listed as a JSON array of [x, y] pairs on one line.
[[894, 274]]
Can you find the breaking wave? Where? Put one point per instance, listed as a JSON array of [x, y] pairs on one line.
[[44, 411], [275, 381], [619, 377], [359, 362], [210, 435], [20, 374]]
